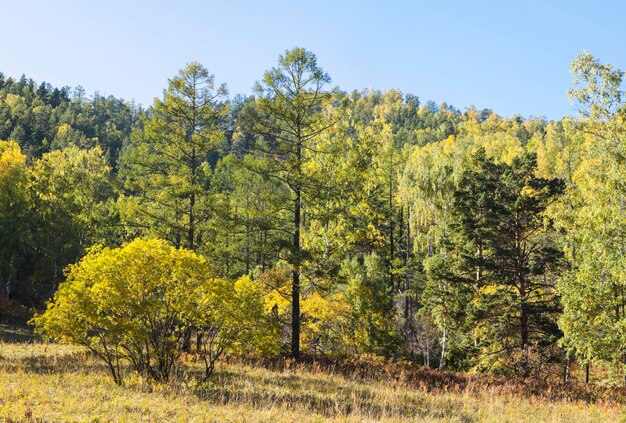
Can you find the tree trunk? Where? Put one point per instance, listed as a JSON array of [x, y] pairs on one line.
[[263, 251], [191, 235], [624, 360], [444, 340], [521, 283], [192, 203], [479, 269], [198, 342], [247, 232], [7, 287], [391, 227], [407, 254], [186, 347], [9, 283], [295, 284], [524, 327]]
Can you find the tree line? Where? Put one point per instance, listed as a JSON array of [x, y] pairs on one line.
[[357, 223]]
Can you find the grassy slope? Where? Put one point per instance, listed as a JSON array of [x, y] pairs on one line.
[[40, 382]]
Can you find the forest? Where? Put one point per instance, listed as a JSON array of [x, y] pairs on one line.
[[300, 220]]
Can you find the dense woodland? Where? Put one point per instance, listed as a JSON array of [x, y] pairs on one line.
[[303, 219]]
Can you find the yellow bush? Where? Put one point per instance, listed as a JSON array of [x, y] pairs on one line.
[[138, 303]]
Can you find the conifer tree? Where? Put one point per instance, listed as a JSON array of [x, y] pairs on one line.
[[287, 117]]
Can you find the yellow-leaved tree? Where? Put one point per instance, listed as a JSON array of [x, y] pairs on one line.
[[14, 204]]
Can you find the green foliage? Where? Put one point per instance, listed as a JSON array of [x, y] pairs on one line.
[[246, 230], [73, 192], [44, 118], [371, 304], [166, 166], [499, 282], [593, 215]]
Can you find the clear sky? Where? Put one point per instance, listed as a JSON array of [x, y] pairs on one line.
[[510, 56]]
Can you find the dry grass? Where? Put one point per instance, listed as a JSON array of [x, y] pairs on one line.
[[41, 382]]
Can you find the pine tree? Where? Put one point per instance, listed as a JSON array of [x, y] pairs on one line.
[[166, 166], [287, 116]]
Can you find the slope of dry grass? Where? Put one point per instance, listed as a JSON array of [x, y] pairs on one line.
[[46, 382]]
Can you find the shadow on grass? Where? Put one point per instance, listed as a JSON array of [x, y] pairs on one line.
[[372, 369], [327, 398], [50, 364], [17, 334]]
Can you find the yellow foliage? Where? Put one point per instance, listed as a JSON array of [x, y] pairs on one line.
[[135, 304], [63, 130], [12, 161]]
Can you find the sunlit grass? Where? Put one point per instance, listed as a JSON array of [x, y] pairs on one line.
[[47, 382]]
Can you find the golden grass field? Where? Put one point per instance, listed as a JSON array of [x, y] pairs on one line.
[[55, 383]]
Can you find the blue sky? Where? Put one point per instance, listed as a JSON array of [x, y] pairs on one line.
[[510, 56]]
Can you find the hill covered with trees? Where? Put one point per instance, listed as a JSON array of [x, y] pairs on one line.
[[343, 223]]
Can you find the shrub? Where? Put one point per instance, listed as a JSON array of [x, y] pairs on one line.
[[230, 317], [136, 303]]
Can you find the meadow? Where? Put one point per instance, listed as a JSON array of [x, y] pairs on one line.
[[41, 382]]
